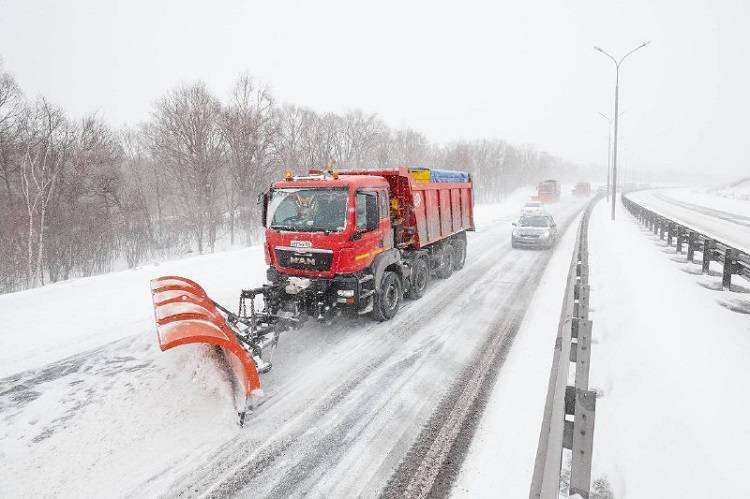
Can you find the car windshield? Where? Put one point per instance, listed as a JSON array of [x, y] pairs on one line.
[[308, 210], [533, 204], [535, 222]]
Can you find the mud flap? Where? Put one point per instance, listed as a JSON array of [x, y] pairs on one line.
[[185, 314]]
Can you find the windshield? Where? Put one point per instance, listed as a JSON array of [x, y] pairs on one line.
[[535, 222], [308, 210]]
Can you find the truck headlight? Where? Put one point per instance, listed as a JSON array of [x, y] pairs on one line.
[[346, 293]]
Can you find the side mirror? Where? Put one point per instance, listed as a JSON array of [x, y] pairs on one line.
[[263, 202], [514, 224]]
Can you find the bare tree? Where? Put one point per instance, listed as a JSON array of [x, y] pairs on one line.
[[188, 141], [49, 141], [250, 130]]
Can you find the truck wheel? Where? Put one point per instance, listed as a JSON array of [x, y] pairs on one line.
[[388, 297], [420, 276], [459, 253], [445, 269]]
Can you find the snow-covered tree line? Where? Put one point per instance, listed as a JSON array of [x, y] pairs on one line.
[[79, 197]]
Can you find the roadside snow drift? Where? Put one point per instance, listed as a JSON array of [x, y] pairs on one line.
[[671, 367]]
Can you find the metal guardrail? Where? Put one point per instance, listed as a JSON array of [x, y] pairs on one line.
[[568, 421], [733, 260]]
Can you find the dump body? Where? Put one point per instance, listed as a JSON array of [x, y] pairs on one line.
[[548, 191], [428, 210]]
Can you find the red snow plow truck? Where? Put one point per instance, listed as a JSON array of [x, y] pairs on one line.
[[353, 242]]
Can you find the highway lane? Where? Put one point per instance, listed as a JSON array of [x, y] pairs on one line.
[[730, 227]]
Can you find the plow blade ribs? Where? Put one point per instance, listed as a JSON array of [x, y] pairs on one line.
[[185, 314]]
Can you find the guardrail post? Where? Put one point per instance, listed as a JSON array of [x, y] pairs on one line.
[[678, 241], [726, 280], [583, 301], [708, 248], [669, 234], [655, 225], [691, 246], [583, 443], [583, 353], [661, 230]]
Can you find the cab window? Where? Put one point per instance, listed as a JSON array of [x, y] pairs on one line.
[[367, 211]]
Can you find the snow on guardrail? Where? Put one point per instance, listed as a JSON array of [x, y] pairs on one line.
[[733, 260]]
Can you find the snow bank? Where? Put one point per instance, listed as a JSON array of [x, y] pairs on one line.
[[45, 324], [736, 190], [671, 366], [500, 461]]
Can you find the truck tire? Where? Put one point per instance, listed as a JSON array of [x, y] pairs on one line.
[[459, 252], [445, 268], [387, 297], [420, 276]]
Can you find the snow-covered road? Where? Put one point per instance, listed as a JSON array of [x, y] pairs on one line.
[[727, 220], [344, 403]]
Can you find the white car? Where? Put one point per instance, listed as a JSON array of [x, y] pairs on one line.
[[533, 208]]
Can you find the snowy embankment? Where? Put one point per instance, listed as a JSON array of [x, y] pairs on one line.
[[727, 220], [501, 457], [739, 189], [671, 366]]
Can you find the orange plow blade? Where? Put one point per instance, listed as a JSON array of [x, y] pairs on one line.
[[185, 314]]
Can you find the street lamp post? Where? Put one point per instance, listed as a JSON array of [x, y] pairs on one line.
[[609, 149], [617, 97]]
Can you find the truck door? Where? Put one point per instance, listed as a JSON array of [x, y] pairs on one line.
[[370, 225]]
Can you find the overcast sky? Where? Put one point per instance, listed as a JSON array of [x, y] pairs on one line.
[[524, 71]]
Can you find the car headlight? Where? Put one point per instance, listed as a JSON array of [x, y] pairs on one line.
[[515, 232], [545, 234]]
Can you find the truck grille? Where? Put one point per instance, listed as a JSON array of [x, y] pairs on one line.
[[305, 259]]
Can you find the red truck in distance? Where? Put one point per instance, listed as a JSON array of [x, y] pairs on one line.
[[353, 242], [548, 191]]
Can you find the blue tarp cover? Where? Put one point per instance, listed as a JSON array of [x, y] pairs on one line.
[[445, 176]]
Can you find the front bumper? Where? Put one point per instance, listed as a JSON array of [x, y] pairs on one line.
[[340, 291], [532, 242]]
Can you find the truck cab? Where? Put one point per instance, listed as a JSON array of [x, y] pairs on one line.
[[320, 226]]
